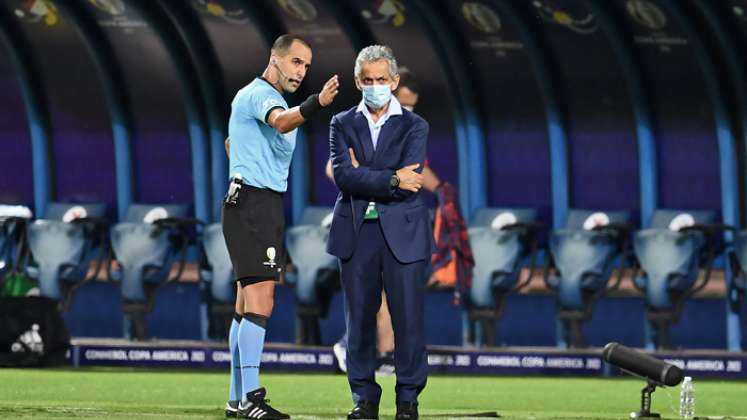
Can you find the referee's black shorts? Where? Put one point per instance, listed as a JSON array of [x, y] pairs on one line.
[[254, 229]]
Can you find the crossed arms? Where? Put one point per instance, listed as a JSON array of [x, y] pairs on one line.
[[355, 179]]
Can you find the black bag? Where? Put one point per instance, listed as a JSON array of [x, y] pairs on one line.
[[32, 332]]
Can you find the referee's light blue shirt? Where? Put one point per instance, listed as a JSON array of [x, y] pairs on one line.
[[259, 153]]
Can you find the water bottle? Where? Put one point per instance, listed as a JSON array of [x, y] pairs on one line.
[[687, 398]]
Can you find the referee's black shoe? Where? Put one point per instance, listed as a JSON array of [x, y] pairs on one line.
[[257, 407], [364, 410], [407, 410]]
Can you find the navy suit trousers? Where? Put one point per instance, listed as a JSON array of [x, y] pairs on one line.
[[372, 267]]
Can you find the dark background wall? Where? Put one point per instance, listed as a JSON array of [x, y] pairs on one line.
[[603, 163], [518, 58], [16, 184]]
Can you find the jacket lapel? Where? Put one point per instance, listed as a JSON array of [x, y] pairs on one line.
[[364, 137], [389, 131]]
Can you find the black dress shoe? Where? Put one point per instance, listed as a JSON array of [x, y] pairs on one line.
[[364, 410], [407, 410]]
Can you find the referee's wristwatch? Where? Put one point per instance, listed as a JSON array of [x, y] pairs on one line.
[[394, 181]]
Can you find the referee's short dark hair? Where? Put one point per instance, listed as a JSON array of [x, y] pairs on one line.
[[281, 45]]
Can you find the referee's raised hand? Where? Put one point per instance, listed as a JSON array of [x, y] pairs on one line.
[[329, 91]]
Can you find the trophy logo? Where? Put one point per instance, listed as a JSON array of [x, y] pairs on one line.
[[647, 14], [271, 256]]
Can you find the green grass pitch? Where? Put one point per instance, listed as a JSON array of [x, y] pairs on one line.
[[165, 394]]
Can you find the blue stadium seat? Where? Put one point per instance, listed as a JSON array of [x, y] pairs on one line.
[[8, 244], [503, 241], [146, 244], [218, 277], [13, 244], [671, 254], [316, 275], [63, 245], [584, 253], [736, 295], [739, 265]]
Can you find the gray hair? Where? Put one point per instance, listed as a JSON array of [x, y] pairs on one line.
[[374, 53]]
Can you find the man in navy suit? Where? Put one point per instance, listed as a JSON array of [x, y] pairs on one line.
[[381, 232]]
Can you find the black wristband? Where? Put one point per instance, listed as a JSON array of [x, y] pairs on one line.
[[310, 106]]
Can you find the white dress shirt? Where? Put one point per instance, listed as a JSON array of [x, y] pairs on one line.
[[375, 127]]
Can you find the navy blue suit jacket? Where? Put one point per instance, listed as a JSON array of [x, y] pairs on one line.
[[402, 214]]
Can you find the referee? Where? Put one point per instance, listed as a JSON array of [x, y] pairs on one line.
[[262, 133]]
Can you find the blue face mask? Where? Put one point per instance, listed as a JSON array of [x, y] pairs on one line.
[[376, 96]]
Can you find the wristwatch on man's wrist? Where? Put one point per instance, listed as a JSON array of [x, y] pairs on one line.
[[394, 181]]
